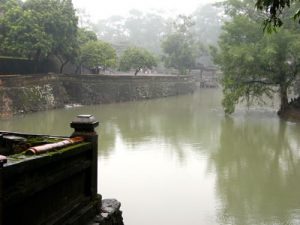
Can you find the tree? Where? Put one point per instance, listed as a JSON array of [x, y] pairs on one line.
[[179, 46], [95, 54], [179, 53], [58, 20], [37, 29], [275, 9], [254, 64], [137, 59], [21, 32], [85, 35]]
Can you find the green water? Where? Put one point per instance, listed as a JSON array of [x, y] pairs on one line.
[[180, 161]]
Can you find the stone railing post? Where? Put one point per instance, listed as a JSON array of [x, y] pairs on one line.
[[84, 126]]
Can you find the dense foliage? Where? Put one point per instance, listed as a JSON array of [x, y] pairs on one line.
[[179, 46], [97, 55], [255, 64], [37, 29], [275, 9], [137, 59], [179, 53]]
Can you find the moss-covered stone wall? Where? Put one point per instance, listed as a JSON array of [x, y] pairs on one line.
[[31, 93]]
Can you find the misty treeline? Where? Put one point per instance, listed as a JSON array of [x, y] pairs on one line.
[[180, 42], [43, 29], [148, 29]]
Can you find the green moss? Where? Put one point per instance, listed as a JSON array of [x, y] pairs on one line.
[[31, 141], [21, 156], [12, 57], [62, 150], [41, 140], [17, 157]]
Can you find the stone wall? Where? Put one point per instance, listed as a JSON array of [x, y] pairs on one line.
[[31, 93]]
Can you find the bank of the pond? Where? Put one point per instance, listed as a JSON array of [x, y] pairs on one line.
[[31, 93], [292, 111], [292, 114]]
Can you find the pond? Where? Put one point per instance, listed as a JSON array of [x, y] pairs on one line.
[[180, 160]]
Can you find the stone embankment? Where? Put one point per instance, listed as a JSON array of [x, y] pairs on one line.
[[110, 213], [31, 93]]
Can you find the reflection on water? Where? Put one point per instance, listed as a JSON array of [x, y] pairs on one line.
[[258, 172], [180, 161]]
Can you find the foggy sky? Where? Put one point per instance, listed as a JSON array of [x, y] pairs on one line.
[[101, 9]]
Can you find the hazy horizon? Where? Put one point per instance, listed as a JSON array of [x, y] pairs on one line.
[[101, 10]]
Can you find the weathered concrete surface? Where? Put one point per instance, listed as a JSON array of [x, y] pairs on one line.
[[31, 93]]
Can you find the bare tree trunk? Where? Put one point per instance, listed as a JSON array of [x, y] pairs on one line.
[[63, 65], [136, 71], [284, 102], [62, 62]]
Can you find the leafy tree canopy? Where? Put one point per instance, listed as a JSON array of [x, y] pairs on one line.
[[85, 35], [95, 54], [39, 28], [179, 53], [137, 59], [21, 34], [179, 47], [255, 64], [275, 10]]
